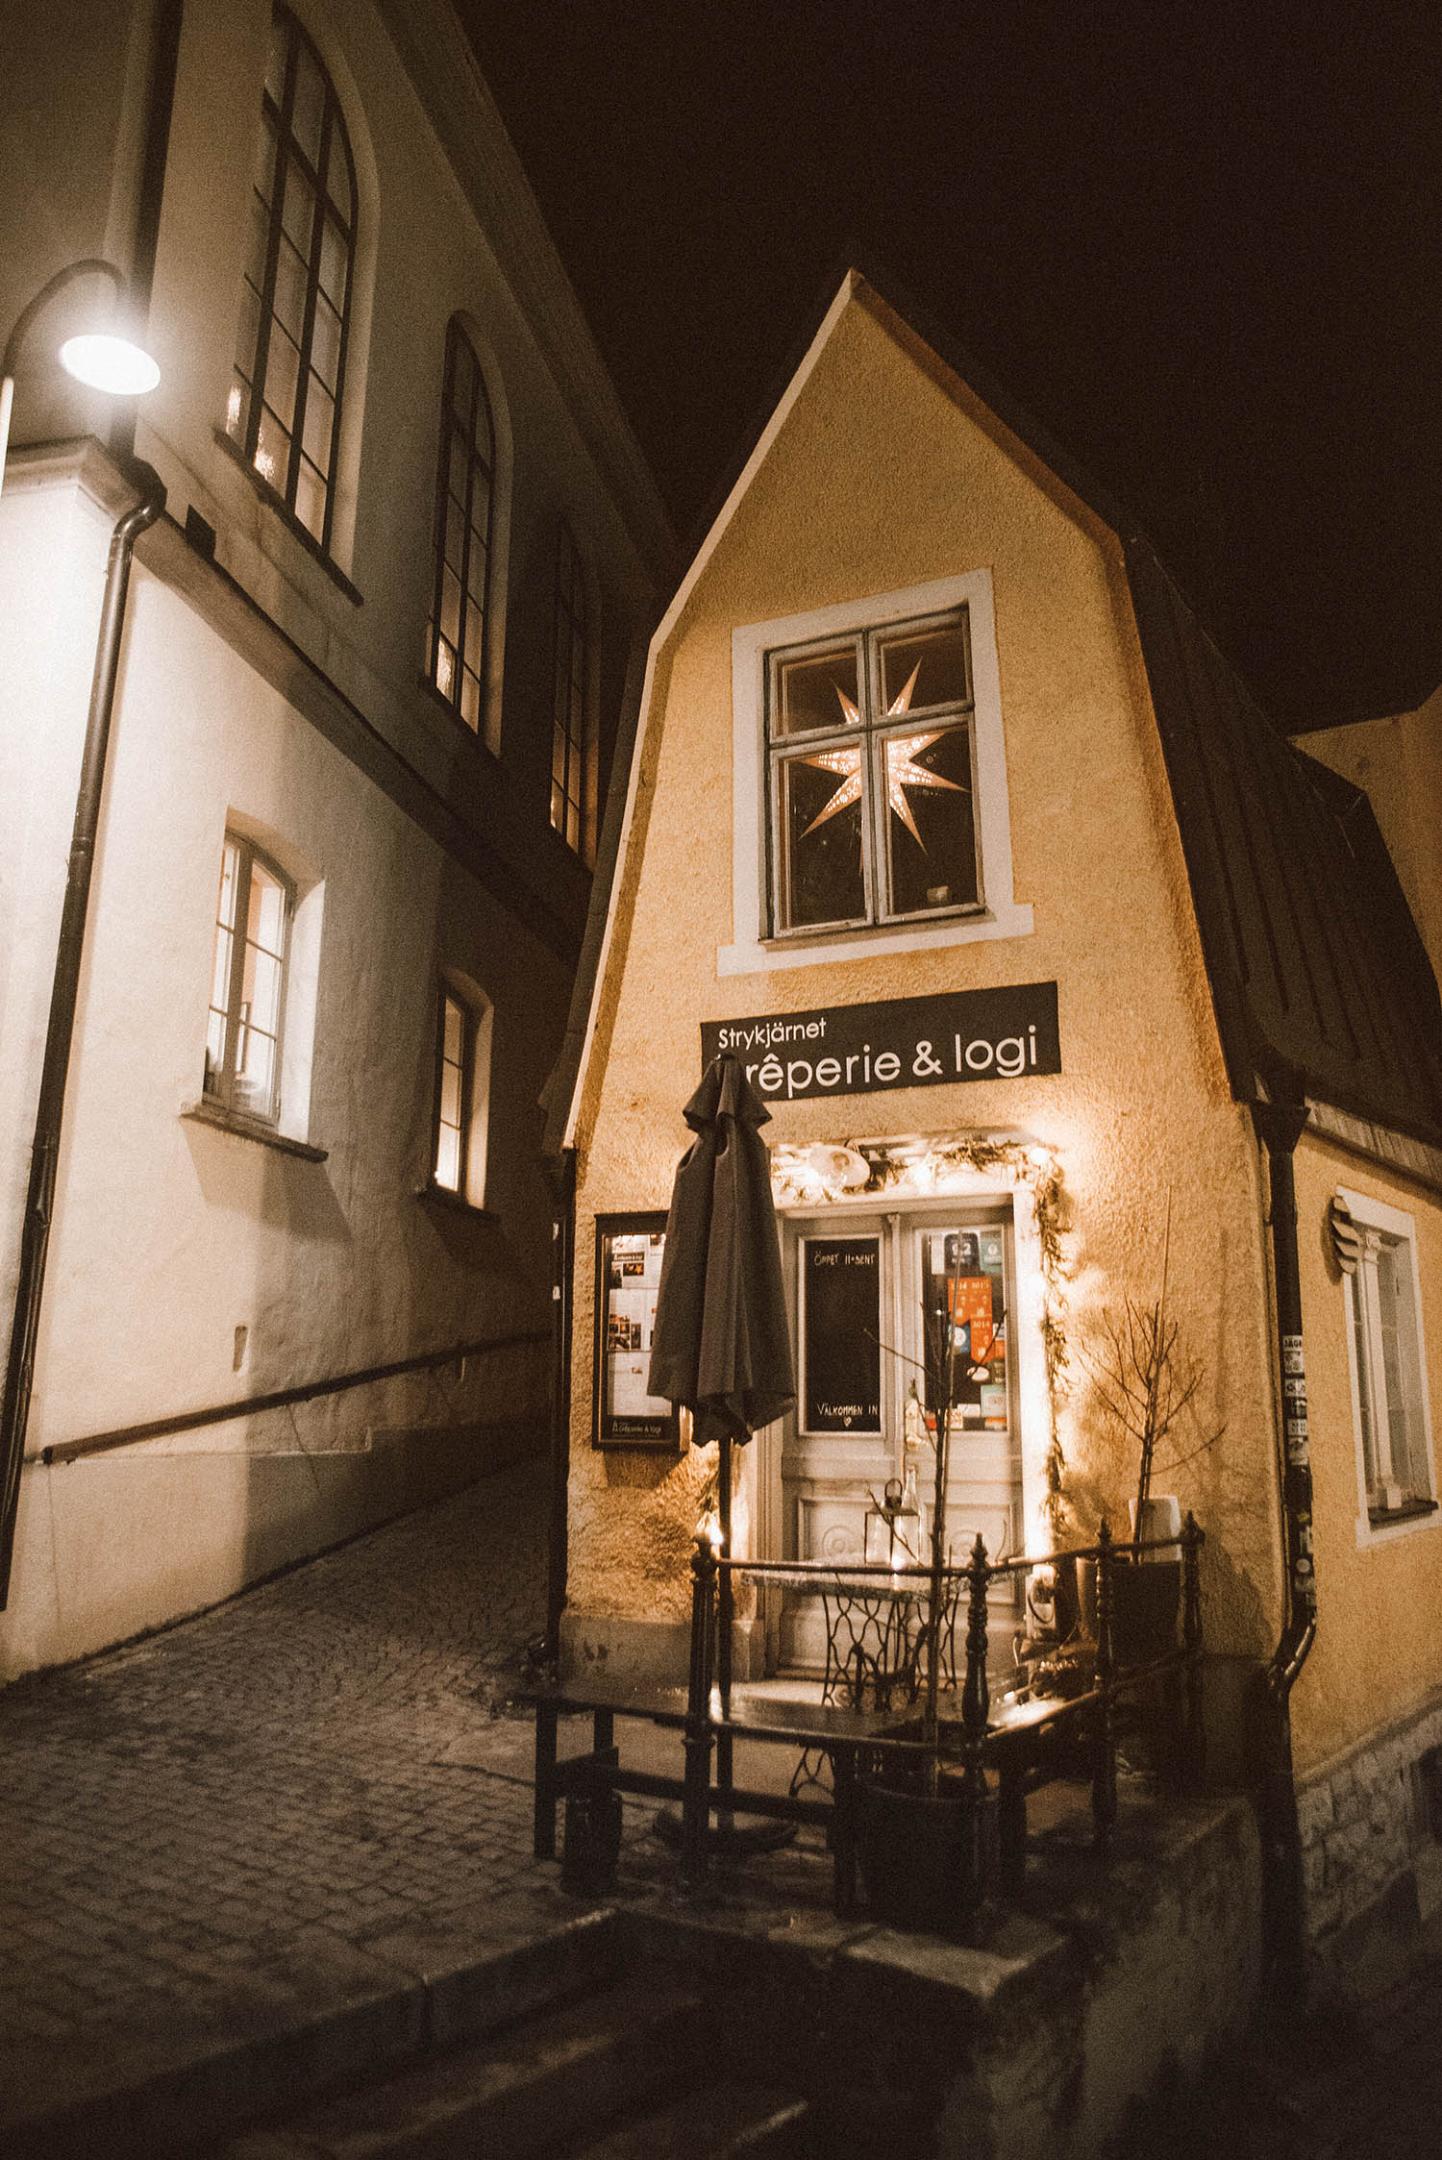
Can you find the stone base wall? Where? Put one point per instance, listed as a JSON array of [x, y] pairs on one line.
[[1371, 1828]]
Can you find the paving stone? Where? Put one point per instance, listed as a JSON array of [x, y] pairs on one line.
[[200, 1827]]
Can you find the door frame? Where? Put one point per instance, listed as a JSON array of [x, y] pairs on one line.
[[1026, 1336]]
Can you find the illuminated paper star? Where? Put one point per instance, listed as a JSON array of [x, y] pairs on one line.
[[902, 771]]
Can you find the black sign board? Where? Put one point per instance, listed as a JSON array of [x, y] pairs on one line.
[[841, 1294], [1003, 1034]]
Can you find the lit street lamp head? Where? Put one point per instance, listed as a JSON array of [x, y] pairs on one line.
[[108, 362]]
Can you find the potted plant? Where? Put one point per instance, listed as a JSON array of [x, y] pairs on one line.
[[1146, 1380]]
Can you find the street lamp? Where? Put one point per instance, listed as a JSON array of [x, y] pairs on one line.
[[103, 359]]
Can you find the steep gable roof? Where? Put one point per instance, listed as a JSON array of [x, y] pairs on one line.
[[1320, 979]]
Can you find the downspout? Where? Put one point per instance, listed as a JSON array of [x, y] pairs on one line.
[[1279, 1125], [563, 1239], [64, 998]]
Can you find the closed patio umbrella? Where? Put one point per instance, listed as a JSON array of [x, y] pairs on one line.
[[721, 1345]]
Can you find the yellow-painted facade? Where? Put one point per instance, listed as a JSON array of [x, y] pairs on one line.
[[886, 473], [1376, 1658]]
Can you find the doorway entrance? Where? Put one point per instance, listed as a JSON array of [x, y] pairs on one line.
[[878, 1301]]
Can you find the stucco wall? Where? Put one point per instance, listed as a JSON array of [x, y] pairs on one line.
[[1376, 1654], [169, 1236], [1399, 763], [886, 474]]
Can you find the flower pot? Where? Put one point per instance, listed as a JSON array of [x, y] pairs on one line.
[[1159, 1516], [925, 1858], [1146, 1600]]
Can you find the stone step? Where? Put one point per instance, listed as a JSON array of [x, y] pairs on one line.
[[725, 2121], [522, 2092]]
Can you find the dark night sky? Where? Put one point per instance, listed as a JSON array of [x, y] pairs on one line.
[[1199, 243]]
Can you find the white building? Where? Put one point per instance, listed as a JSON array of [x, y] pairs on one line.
[[370, 663]]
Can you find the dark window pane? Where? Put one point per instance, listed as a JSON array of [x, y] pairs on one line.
[[450, 608], [930, 826], [816, 692], [309, 103], [319, 415], [471, 701], [325, 342], [333, 257], [310, 499], [926, 667], [820, 869], [337, 178], [282, 373], [299, 218], [272, 452], [290, 283]]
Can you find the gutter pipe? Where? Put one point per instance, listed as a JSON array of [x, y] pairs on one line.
[[1279, 1125], [64, 999], [563, 1234]]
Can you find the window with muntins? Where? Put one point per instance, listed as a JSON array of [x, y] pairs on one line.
[[247, 989], [465, 491], [1389, 1388], [871, 777], [571, 747], [454, 1043], [283, 411]]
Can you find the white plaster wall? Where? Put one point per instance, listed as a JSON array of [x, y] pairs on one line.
[[170, 1234], [53, 545]]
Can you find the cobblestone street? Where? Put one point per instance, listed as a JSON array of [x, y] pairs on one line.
[[307, 1804], [254, 1811]]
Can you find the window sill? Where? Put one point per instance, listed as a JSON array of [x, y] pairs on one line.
[[249, 1128], [288, 518], [760, 956], [441, 1196], [1391, 1518]]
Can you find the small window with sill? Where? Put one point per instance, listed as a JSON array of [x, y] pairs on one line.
[[871, 777], [1388, 1379], [283, 410], [248, 983], [458, 1141]]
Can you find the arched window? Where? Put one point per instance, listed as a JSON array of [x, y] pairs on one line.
[[465, 491], [283, 412], [572, 746]]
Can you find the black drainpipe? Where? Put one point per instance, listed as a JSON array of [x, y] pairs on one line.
[[64, 996], [1279, 1126], [563, 1237]]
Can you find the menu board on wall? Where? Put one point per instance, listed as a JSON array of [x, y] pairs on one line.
[[629, 1252], [841, 1295]]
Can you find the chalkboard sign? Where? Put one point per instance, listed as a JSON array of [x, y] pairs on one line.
[[841, 1287]]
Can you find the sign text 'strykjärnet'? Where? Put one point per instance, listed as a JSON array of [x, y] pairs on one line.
[[1002, 1034]]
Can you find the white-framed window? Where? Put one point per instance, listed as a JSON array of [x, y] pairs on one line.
[[1391, 1415], [870, 806], [462, 1090], [251, 956], [288, 382]]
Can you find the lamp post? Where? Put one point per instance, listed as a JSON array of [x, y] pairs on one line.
[[103, 358]]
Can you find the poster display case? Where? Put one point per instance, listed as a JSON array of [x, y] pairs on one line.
[[629, 1252]]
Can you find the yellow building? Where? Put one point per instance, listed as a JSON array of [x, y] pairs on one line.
[[946, 816]]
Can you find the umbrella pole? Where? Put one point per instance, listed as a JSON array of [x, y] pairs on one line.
[[725, 1611]]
